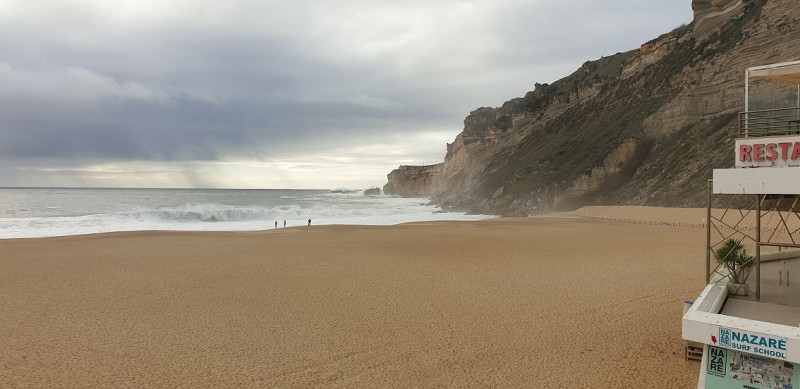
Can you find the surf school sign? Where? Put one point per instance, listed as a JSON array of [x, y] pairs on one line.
[[751, 343]]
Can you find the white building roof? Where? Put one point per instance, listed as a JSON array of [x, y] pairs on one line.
[[788, 72]]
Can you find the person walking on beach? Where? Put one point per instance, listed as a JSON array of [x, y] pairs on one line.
[[284, 224], [276, 224], [309, 222]]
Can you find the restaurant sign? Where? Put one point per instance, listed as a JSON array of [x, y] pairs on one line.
[[768, 151]]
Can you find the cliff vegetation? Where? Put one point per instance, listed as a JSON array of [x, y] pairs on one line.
[[644, 127]]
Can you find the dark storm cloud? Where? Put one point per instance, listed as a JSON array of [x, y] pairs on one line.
[[210, 81]]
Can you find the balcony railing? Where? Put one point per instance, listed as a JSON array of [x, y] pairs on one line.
[[781, 121]]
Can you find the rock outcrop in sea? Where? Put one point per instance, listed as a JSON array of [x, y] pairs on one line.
[[644, 127], [372, 192]]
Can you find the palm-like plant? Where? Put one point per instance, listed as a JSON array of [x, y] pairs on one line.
[[732, 255]]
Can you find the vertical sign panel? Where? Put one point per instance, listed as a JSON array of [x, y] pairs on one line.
[[729, 369]]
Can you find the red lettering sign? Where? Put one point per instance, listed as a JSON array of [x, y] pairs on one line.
[[784, 150], [778, 153], [758, 152], [745, 153], [772, 152]]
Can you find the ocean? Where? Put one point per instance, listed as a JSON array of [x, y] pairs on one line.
[[45, 212]]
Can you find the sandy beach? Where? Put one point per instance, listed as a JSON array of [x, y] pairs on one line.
[[560, 301]]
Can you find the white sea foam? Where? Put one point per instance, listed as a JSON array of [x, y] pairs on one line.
[[24, 215]]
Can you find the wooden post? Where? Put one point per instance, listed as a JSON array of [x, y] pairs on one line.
[[758, 248], [708, 231]]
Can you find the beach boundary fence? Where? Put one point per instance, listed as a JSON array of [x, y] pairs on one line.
[[649, 222], [681, 224]]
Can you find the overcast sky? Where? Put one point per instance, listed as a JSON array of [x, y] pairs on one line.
[[277, 94]]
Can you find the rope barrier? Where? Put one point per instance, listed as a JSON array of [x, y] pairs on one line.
[[683, 224], [649, 222]]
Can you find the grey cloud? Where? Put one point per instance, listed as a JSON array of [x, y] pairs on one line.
[[250, 79]]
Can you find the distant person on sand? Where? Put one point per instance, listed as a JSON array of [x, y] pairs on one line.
[[309, 222], [276, 224], [284, 224]]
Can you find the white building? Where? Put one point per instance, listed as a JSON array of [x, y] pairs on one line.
[[747, 319]]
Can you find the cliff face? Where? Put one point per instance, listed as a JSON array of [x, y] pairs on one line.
[[710, 14], [413, 181], [642, 128]]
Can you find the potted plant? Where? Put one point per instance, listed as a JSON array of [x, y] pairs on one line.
[[738, 264]]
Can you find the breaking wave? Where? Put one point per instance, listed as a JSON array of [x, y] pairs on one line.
[[322, 207], [207, 213]]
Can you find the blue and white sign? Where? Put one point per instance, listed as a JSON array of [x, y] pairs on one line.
[[752, 343]]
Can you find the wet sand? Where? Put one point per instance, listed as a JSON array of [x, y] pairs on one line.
[[559, 301]]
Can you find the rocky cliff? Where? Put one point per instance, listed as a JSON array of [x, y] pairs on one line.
[[413, 180], [644, 127]]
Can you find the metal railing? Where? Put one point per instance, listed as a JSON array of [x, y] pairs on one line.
[[762, 223], [781, 121]]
